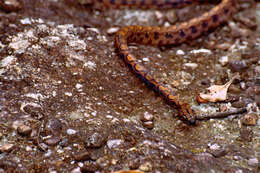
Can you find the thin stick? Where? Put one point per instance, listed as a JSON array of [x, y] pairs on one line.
[[221, 114]]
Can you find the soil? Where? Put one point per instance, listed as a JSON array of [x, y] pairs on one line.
[[68, 103]]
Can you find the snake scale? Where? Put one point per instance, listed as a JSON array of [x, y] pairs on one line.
[[158, 36]]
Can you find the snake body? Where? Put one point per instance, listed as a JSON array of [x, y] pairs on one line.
[[158, 36]]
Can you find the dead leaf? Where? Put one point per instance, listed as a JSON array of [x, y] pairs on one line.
[[216, 93]]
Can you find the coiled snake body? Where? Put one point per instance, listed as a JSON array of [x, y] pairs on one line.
[[175, 34]]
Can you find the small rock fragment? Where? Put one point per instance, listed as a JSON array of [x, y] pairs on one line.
[[82, 156], [64, 142], [52, 141], [103, 162], [223, 46], [33, 110], [146, 167], [148, 124], [146, 117], [90, 167], [223, 60], [53, 126], [238, 66], [217, 151], [95, 140], [134, 164], [71, 131], [6, 148], [112, 30], [147, 120], [237, 31], [180, 52], [253, 162], [171, 16], [76, 170], [239, 104], [193, 66], [24, 130], [43, 146], [246, 134], [249, 119], [114, 143], [10, 5]]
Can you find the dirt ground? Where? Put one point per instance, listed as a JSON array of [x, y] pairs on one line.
[[68, 103]]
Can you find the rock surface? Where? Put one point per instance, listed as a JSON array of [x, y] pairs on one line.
[[87, 112]]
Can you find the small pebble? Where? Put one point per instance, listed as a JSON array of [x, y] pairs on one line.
[[71, 131], [10, 5], [52, 141], [219, 153], [236, 158], [146, 117], [257, 69], [171, 16], [223, 108], [28, 149], [33, 110], [214, 146], [112, 30], [64, 142], [103, 162], [180, 52], [76, 170], [82, 156], [234, 89], [237, 31], [95, 140], [246, 134], [249, 119], [24, 130], [53, 126], [223, 46], [191, 65], [43, 146], [114, 143], [249, 22], [146, 167], [223, 60], [239, 104], [253, 162], [148, 124], [6, 148], [238, 66], [134, 164]]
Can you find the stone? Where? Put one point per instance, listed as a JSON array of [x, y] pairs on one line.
[[6, 148], [249, 119], [24, 130]]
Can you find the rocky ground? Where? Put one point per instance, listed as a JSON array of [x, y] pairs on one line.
[[68, 103]]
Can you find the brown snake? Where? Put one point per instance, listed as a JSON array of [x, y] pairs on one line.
[[175, 34]]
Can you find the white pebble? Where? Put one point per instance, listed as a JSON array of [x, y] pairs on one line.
[[223, 60], [201, 51], [112, 30], [191, 65], [71, 131], [253, 162], [114, 143], [180, 52]]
